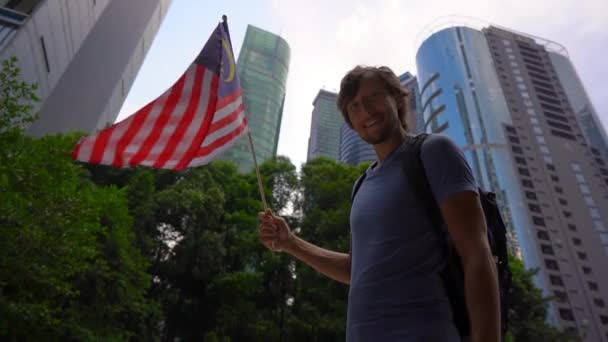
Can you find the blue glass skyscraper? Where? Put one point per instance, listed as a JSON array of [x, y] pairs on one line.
[[501, 97]]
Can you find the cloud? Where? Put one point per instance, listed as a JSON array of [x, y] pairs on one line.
[[329, 38]]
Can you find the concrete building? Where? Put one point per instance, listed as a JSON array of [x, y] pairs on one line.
[[498, 95], [84, 55], [263, 65], [325, 127]]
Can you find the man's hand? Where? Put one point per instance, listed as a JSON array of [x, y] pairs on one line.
[[274, 232]]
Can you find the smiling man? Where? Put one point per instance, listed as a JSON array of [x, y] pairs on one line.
[[396, 256]]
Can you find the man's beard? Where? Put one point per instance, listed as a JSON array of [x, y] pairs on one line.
[[384, 135]]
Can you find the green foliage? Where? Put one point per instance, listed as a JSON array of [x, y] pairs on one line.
[[17, 99]]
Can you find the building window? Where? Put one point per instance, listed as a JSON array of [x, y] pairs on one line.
[[521, 160], [523, 172], [556, 280], [561, 296], [576, 241], [563, 201], [598, 302], [539, 221], [539, 138], [534, 208], [604, 238], [548, 159], [554, 178], [550, 167], [566, 314], [517, 149], [559, 190], [530, 195], [527, 183], [513, 139], [592, 286], [587, 270], [542, 235], [581, 255], [567, 214], [604, 319], [546, 249], [544, 149], [551, 264], [572, 227]]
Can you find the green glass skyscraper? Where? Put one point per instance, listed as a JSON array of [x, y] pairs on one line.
[[263, 64]]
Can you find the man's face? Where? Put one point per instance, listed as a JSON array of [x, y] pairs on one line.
[[373, 111]]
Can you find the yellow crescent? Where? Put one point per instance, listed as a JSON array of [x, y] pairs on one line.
[[230, 59]]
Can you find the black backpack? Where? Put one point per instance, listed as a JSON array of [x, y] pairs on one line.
[[453, 275]]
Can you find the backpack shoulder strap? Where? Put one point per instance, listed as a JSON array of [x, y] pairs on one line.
[[357, 185], [417, 179]]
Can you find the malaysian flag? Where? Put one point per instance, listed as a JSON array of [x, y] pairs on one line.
[[190, 124]]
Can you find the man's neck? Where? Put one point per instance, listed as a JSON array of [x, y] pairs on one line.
[[385, 148]]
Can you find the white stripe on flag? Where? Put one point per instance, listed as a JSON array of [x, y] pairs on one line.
[[175, 116], [196, 123], [86, 148], [147, 127], [227, 110], [117, 132], [218, 151], [210, 139]]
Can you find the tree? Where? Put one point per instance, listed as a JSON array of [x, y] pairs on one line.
[[68, 270], [528, 309]]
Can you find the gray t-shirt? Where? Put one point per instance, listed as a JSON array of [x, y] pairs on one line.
[[396, 293]]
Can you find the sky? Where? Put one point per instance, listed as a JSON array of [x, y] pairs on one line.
[[328, 38]]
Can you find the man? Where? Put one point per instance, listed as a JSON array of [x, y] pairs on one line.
[[396, 292]]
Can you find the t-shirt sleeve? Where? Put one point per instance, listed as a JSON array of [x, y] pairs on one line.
[[446, 168]]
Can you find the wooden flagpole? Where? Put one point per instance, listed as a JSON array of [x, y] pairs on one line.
[[255, 162], [257, 170]]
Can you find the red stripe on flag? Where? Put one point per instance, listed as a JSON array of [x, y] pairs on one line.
[[161, 122], [76, 150], [101, 141], [186, 120], [202, 132], [139, 118], [228, 99], [206, 150], [226, 120]]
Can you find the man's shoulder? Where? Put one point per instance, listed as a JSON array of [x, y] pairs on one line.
[[435, 144]]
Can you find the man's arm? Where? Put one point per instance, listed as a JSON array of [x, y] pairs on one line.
[[276, 235], [463, 215], [332, 264]]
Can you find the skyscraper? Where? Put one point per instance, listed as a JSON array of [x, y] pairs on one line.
[[414, 119], [498, 95], [584, 111], [353, 150], [263, 65], [325, 127], [84, 55]]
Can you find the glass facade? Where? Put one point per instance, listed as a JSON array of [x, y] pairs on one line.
[[353, 150], [461, 97], [581, 104], [263, 64], [325, 127], [415, 120]]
